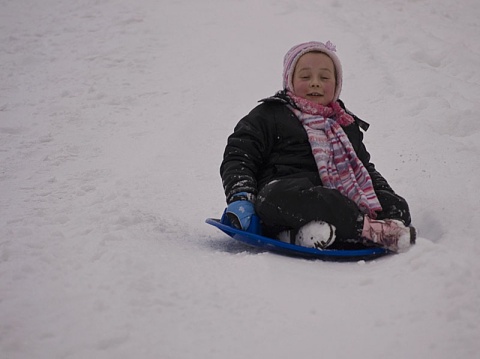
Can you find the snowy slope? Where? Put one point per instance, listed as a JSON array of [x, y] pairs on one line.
[[113, 119]]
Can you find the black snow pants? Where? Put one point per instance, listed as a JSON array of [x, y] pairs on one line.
[[291, 203]]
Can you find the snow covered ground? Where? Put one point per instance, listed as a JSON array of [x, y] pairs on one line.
[[113, 119]]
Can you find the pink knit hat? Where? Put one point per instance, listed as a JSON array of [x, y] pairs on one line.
[[292, 56]]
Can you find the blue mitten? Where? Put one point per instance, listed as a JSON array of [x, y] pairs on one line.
[[240, 211]]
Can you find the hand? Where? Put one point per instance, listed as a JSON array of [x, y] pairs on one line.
[[240, 212]]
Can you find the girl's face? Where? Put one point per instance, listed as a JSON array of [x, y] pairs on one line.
[[314, 78]]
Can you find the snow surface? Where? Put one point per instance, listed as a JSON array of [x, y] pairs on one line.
[[113, 119]]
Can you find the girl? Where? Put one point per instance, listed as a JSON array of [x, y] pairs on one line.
[[298, 161]]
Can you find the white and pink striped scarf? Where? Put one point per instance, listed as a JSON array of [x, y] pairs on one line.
[[337, 161]]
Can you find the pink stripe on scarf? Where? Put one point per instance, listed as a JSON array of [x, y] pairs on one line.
[[337, 162]]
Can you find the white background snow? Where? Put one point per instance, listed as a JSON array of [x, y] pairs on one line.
[[113, 119]]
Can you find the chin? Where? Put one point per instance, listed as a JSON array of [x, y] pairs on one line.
[[319, 101]]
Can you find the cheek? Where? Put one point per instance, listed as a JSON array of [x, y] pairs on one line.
[[330, 87], [299, 87]]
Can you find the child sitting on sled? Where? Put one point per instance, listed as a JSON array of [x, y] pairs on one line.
[[298, 162]]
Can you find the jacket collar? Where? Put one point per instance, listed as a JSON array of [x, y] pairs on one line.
[[282, 97]]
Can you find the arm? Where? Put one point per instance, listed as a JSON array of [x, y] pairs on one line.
[[243, 158], [356, 137], [245, 153], [379, 182]]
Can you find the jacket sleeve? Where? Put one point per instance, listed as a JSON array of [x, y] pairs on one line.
[[379, 182], [245, 152]]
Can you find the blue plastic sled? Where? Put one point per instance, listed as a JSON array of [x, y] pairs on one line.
[[269, 244]]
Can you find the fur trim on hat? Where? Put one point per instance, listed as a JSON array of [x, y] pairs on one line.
[[292, 56]]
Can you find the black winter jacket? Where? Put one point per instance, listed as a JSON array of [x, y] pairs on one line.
[[270, 143]]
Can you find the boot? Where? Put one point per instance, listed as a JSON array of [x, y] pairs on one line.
[[315, 234], [389, 233]]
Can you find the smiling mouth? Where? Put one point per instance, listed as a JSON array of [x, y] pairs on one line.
[[315, 94]]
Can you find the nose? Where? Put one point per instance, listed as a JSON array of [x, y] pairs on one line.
[[314, 82]]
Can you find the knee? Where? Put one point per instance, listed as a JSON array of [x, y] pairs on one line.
[[279, 191], [278, 195], [269, 196]]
